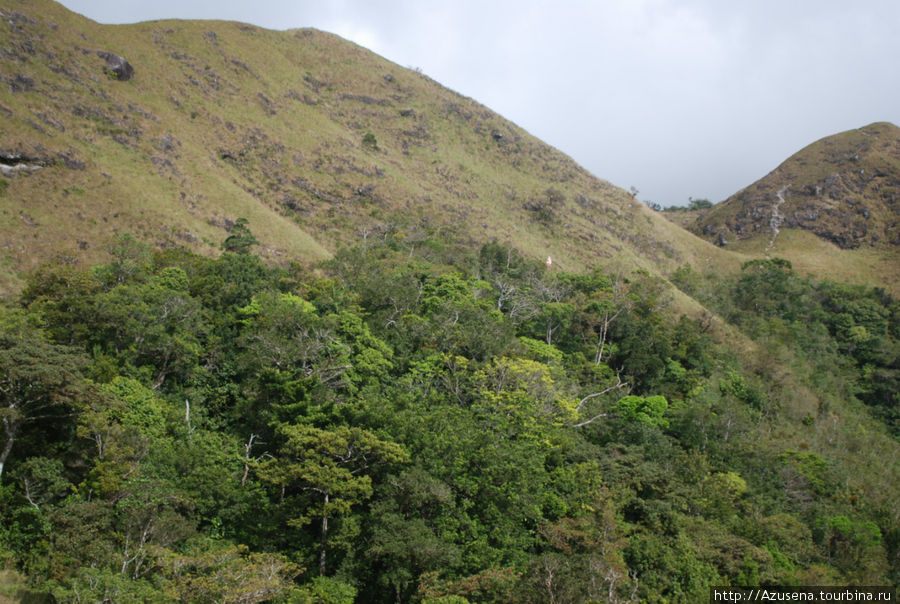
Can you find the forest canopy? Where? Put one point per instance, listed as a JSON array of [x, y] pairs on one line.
[[429, 424]]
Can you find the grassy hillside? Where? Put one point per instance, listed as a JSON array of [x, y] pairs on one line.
[[843, 189], [812, 255], [315, 140]]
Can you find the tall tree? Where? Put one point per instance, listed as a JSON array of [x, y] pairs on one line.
[[331, 465], [38, 379]]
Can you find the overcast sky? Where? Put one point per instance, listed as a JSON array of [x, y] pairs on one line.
[[676, 98]]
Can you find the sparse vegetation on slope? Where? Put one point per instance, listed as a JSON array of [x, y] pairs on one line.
[[844, 188], [316, 141]]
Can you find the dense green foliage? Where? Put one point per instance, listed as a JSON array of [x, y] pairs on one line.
[[849, 335], [432, 425]]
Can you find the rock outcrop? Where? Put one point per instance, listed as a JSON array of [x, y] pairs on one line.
[[117, 66]]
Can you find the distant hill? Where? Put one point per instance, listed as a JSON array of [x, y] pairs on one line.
[[844, 188], [316, 141]]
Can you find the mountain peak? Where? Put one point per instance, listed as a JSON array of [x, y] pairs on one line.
[[844, 188]]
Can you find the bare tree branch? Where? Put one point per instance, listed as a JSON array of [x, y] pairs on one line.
[[619, 384]]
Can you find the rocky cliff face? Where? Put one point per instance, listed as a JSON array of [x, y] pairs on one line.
[[844, 188]]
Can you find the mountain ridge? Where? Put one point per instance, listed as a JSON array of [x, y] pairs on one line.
[[318, 142]]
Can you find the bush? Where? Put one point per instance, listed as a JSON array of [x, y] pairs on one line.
[[546, 207]]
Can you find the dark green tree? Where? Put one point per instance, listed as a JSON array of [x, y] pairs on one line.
[[333, 467], [39, 380], [240, 239]]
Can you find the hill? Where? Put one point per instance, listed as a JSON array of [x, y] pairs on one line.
[[316, 141], [844, 188], [831, 208]]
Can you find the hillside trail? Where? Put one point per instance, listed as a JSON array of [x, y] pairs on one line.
[[777, 218]]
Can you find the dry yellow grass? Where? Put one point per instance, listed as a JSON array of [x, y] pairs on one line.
[[811, 255]]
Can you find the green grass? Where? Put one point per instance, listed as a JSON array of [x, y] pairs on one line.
[[434, 149]]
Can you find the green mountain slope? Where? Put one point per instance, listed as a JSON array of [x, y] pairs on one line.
[[316, 141]]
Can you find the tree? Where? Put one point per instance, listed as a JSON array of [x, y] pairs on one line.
[[150, 517], [607, 390], [699, 204], [38, 380], [587, 564], [645, 410], [547, 206], [155, 327], [552, 313], [369, 141], [62, 296], [409, 524], [42, 480], [240, 239], [131, 259], [330, 465], [215, 571], [852, 545], [604, 308], [293, 357]]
